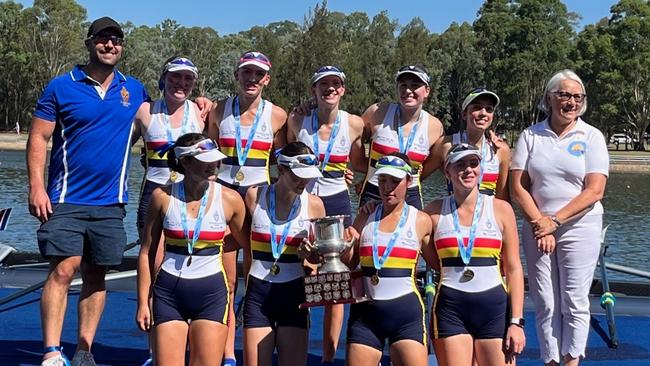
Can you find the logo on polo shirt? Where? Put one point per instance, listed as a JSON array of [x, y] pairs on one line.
[[125, 97], [577, 148]]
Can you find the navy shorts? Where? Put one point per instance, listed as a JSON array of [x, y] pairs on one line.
[[371, 192], [275, 305], [94, 232], [143, 206], [372, 323], [240, 189], [339, 204], [184, 299], [479, 314]]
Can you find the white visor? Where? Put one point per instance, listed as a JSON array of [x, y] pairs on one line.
[[206, 151], [304, 166]]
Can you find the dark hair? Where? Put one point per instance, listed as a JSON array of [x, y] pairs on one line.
[[161, 79], [401, 156], [296, 148], [293, 149], [187, 139]]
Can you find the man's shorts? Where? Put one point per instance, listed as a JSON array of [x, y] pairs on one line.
[[94, 232]]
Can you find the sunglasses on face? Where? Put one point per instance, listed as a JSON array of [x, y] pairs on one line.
[[104, 38], [566, 96], [463, 164]]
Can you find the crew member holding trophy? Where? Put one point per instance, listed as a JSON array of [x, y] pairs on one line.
[[391, 239], [281, 215], [335, 137], [476, 314]]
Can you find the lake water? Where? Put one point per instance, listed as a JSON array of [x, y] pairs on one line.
[[626, 201]]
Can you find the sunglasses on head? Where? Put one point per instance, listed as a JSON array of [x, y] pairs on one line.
[[248, 56], [299, 160], [104, 38], [462, 147], [393, 162], [181, 61]]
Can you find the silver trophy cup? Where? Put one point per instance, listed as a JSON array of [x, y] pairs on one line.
[[329, 243]]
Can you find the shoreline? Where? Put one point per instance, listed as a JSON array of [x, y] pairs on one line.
[[620, 161]]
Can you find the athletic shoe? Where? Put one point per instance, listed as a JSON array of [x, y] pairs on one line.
[[58, 360], [83, 358]]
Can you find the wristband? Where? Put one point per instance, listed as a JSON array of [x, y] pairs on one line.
[[556, 221]]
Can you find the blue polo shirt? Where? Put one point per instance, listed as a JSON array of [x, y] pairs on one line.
[[91, 143]]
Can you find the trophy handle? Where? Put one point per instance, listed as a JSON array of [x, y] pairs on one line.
[[346, 246]]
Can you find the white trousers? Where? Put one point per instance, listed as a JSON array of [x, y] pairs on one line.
[[559, 286]]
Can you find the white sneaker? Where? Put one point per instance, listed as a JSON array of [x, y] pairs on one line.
[[58, 360], [83, 358]]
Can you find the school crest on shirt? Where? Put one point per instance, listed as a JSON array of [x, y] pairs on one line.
[[577, 148], [124, 93]]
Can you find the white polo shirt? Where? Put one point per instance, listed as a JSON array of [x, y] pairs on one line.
[[557, 165]]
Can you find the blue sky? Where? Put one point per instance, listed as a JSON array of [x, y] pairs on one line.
[[233, 16]]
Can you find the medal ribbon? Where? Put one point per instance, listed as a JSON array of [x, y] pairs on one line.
[[243, 154], [199, 216], [466, 252], [168, 124], [400, 134], [330, 142], [376, 260], [277, 248]]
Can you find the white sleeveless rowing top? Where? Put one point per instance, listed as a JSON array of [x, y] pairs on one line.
[[256, 168], [397, 275], [290, 266], [333, 180], [206, 256], [490, 163], [155, 137], [385, 141], [486, 256]]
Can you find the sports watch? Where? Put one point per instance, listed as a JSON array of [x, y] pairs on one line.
[[520, 322]]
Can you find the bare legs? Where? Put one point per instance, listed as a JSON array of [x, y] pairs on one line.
[[55, 298]]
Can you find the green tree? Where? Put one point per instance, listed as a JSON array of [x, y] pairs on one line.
[[525, 42], [462, 65]]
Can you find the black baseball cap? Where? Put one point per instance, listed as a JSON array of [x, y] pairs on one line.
[[102, 24]]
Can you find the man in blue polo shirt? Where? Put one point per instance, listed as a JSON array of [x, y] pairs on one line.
[[89, 113]]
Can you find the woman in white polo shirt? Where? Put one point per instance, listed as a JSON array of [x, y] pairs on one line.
[[559, 171]]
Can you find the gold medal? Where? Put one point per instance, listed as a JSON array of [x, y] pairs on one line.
[[275, 269], [374, 280], [468, 274], [173, 176], [239, 176]]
